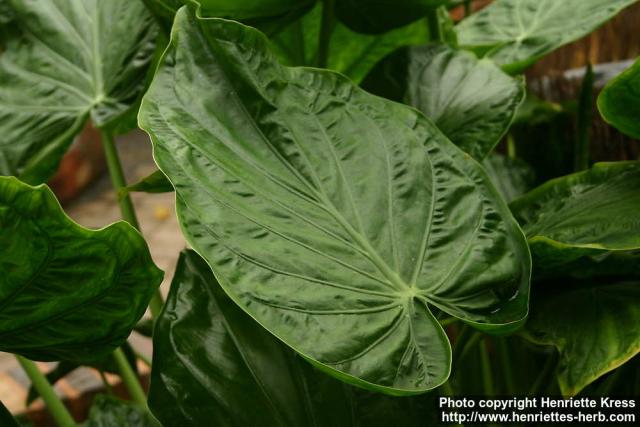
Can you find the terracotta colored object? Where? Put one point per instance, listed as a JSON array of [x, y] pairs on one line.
[[80, 166]]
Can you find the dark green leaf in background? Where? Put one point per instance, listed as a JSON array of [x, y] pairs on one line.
[[619, 101], [379, 16], [108, 411], [587, 213], [268, 15], [6, 420], [157, 182], [66, 292], [511, 177], [593, 324], [72, 60], [471, 101], [350, 53], [516, 33], [335, 218], [6, 12], [214, 365]]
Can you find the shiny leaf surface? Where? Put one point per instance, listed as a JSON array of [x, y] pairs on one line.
[[350, 53], [212, 361], [586, 213], [511, 177], [333, 217], [66, 292], [516, 33], [73, 60], [594, 326], [619, 101], [380, 16], [110, 412], [471, 101]]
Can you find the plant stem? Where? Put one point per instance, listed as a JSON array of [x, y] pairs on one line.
[[118, 180], [147, 361], [55, 406], [467, 8], [435, 35], [326, 27], [505, 362], [549, 364], [468, 346], [126, 204], [487, 371], [585, 115], [129, 378], [511, 146]]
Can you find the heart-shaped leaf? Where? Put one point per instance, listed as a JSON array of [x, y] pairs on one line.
[[67, 293], [516, 33], [471, 101], [350, 53], [586, 213], [71, 60], [337, 219], [212, 361], [512, 177], [594, 326], [619, 101], [379, 16]]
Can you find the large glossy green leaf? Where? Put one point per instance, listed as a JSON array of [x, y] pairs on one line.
[[516, 33], [73, 60], [593, 324], [586, 213], [67, 293], [380, 16], [110, 412], [512, 177], [337, 219], [471, 101], [619, 101], [350, 53], [212, 361]]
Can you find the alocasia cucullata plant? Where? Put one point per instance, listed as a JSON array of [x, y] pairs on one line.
[[350, 253]]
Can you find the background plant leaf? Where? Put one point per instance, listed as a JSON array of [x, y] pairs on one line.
[[516, 33], [156, 182], [382, 15], [70, 60], [619, 101], [350, 53], [6, 419], [109, 412], [212, 361], [512, 177], [586, 213], [66, 292], [593, 324], [471, 101], [335, 218], [270, 16]]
